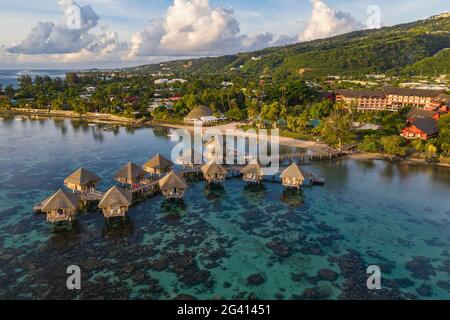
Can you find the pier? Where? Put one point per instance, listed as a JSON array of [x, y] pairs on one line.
[[143, 184]]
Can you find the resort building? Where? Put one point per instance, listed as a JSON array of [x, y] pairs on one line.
[[158, 165], [416, 114], [214, 173], [116, 202], [390, 99], [424, 128], [293, 177], [131, 174], [82, 181], [62, 206], [201, 114], [252, 173], [173, 186]]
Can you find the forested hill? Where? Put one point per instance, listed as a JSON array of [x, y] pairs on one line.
[[403, 48]]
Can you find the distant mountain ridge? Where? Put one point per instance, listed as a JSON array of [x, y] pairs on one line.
[[406, 48]]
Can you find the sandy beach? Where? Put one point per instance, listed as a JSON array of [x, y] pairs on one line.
[[284, 141]]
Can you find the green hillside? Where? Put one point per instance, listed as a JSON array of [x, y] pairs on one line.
[[385, 50], [438, 64]]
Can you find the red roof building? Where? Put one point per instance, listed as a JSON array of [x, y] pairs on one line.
[[423, 128]]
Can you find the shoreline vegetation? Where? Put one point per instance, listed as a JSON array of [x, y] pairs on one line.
[[284, 141]]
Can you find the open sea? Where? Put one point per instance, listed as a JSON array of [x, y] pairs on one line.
[[231, 243], [10, 77]]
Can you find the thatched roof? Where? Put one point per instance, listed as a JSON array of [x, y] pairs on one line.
[[82, 177], [116, 197], [213, 168], [131, 171], [158, 162], [200, 111], [172, 180], [253, 169], [294, 171], [61, 200]]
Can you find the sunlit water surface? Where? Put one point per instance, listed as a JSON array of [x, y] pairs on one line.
[[236, 242]]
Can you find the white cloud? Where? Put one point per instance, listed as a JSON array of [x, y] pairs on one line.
[[71, 36], [194, 27], [327, 22]]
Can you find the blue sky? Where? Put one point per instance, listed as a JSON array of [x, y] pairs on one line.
[[128, 17]]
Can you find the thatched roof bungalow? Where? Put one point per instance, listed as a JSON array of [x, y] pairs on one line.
[[173, 186], [252, 173], [130, 174], [293, 177], [62, 206], [200, 113], [214, 173], [82, 180], [158, 165], [116, 202]]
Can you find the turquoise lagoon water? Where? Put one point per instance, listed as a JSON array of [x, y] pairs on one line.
[[230, 243]]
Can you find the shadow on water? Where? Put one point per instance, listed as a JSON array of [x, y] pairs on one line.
[[118, 228], [64, 233], [294, 198], [254, 191], [214, 191], [61, 125], [79, 125], [173, 208], [161, 132], [97, 135]]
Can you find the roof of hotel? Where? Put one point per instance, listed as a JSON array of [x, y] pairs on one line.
[[82, 177], [421, 113], [366, 93], [413, 92], [427, 125], [393, 91], [116, 197]]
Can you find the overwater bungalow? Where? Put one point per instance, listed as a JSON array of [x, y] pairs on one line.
[[82, 181], [116, 202], [252, 173], [158, 165], [62, 206], [173, 186], [293, 177], [131, 174], [214, 173]]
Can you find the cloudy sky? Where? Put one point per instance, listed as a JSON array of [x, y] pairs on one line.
[[115, 33]]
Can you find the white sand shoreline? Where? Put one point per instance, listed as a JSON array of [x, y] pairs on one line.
[[284, 141]]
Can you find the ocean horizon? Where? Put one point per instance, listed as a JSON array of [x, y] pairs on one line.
[[11, 76]]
